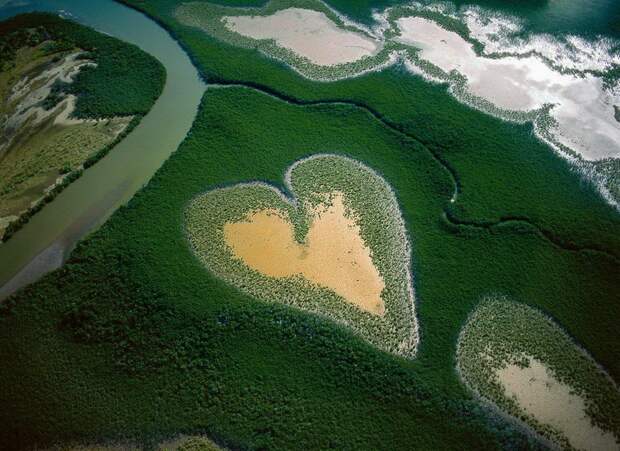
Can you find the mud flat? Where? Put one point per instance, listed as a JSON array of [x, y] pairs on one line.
[[338, 247], [527, 367], [535, 389], [308, 36]]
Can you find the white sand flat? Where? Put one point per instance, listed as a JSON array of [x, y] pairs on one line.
[[583, 109], [308, 33]]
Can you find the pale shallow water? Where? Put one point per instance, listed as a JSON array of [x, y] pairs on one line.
[[583, 109], [45, 242]]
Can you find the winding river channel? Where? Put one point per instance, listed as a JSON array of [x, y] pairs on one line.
[[46, 241]]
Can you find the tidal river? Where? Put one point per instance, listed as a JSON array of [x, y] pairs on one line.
[[46, 241]]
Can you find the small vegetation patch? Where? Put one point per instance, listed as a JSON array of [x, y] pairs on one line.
[[337, 248], [521, 361]]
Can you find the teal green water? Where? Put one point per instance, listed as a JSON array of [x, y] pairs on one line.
[[581, 17]]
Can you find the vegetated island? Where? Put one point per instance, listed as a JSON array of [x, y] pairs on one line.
[[338, 247], [521, 361], [68, 94]]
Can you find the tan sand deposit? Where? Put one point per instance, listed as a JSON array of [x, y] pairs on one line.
[[541, 395], [308, 33], [24, 110], [333, 256]]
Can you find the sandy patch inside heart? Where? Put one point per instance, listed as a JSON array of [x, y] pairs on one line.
[[333, 256]]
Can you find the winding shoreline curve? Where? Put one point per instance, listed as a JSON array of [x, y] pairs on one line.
[[45, 242]]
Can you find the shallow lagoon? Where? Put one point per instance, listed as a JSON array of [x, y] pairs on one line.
[[583, 109]]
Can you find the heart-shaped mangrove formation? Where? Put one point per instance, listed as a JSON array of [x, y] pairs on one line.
[[337, 247]]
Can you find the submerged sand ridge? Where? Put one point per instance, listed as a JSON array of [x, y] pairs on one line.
[[333, 256], [549, 401], [308, 33]]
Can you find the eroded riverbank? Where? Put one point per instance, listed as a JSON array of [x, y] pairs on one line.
[[89, 201]]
